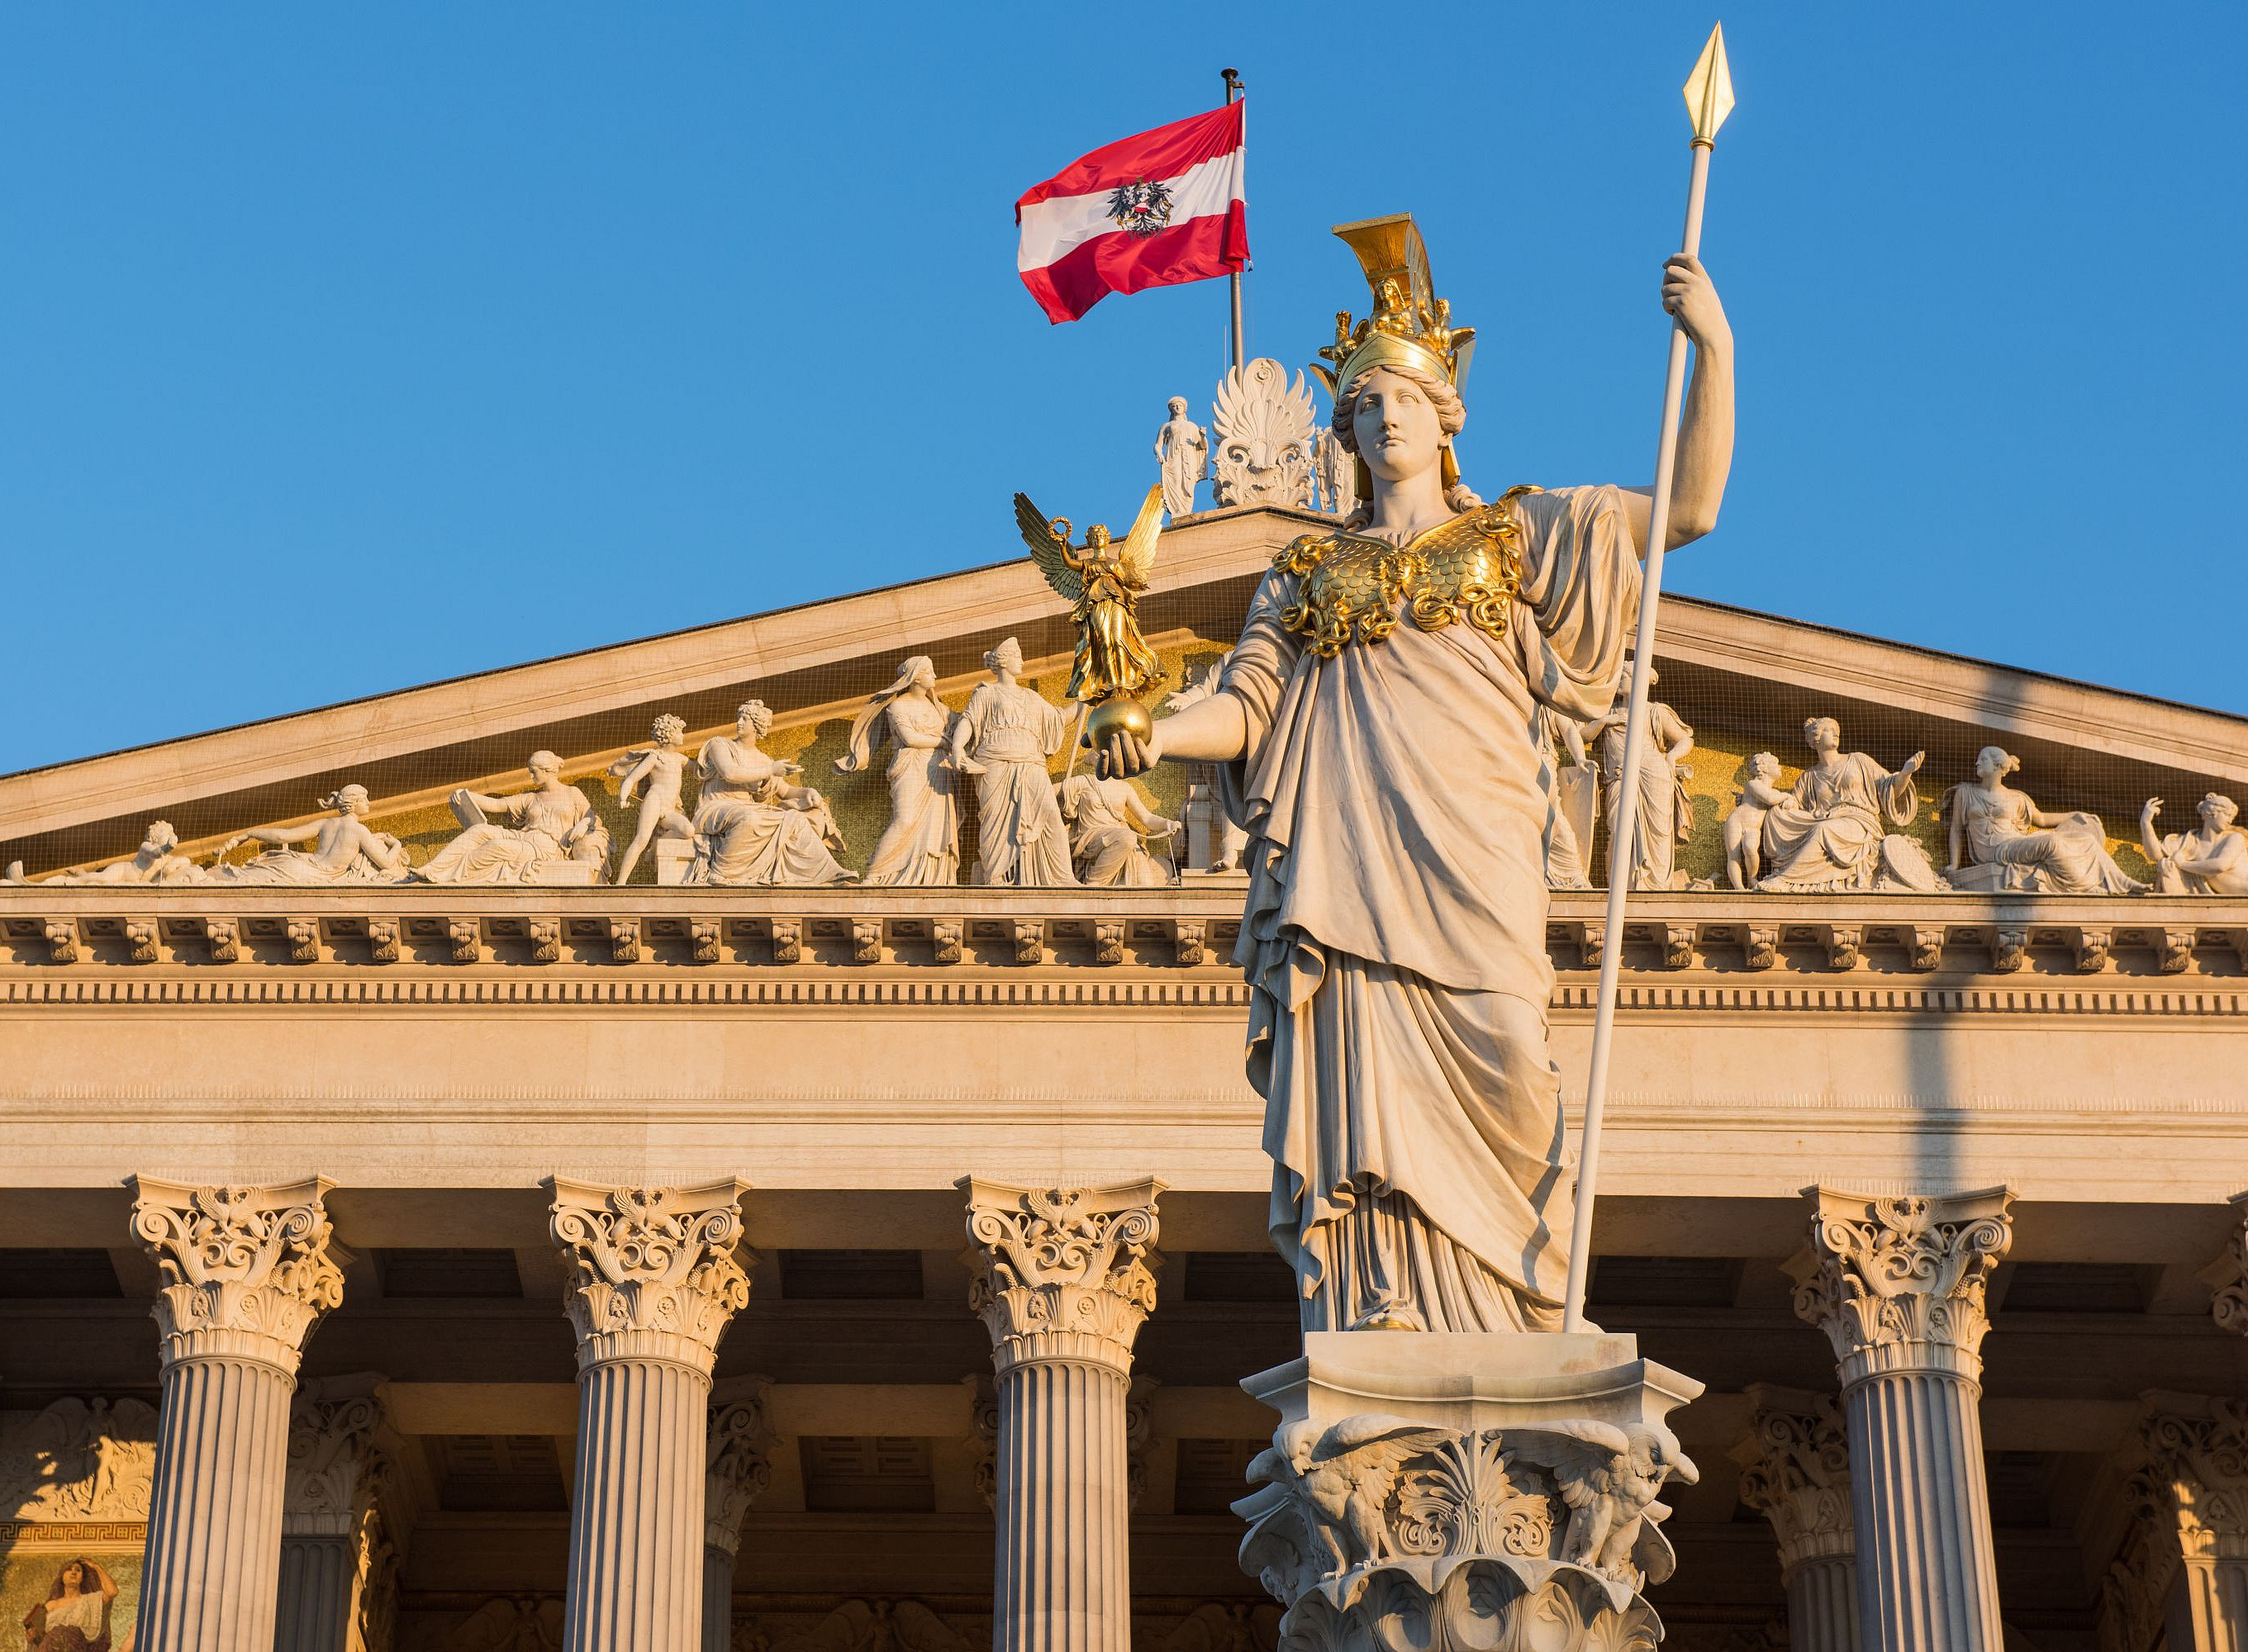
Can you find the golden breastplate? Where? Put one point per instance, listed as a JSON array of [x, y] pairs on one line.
[[1355, 589]]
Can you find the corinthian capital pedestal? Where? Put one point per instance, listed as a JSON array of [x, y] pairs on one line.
[[654, 1280], [245, 1275], [1062, 1278], [1898, 1285], [737, 1467], [2228, 1276], [1795, 1471]]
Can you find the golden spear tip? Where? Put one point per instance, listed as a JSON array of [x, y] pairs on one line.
[[1710, 88]]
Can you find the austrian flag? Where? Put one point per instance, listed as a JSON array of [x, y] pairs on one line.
[[1165, 207]]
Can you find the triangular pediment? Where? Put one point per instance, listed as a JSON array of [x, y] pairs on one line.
[[1744, 681]]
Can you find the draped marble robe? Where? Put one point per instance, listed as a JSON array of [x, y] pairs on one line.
[[1394, 936]]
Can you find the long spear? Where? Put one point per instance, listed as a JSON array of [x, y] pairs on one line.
[[1709, 100]]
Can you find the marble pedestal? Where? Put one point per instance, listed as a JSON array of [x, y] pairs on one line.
[[1439, 1490]]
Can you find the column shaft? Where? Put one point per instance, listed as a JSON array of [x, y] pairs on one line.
[[1927, 1573], [1822, 1606], [636, 1548], [718, 1599], [1064, 1508], [314, 1613], [211, 1572]]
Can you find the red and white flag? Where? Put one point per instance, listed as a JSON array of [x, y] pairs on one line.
[[1165, 207]]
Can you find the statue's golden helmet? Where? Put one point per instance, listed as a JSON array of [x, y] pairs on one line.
[[1410, 325]]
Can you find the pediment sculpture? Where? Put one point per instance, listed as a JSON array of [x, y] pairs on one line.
[[2210, 859], [548, 835], [79, 1460], [2000, 840], [920, 846], [1828, 833], [754, 824]]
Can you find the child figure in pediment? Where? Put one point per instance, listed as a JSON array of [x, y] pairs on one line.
[[1760, 793], [659, 773]]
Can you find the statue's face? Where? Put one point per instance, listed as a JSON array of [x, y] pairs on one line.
[[1396, 427], [1826, 737]]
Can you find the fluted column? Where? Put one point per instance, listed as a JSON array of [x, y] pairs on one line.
[[1796, 1473], [328, 1505], [1897, 1284], [655, 1279], [1062, 1278], [245, 1276], [738, 1467]]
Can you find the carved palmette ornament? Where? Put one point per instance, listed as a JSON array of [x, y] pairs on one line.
[[1264, 428], [652, 1259], [1506, 1527]]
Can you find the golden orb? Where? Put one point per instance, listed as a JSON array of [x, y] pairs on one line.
[[1119, 716]]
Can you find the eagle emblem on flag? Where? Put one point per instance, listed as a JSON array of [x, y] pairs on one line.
[[1143, 207]]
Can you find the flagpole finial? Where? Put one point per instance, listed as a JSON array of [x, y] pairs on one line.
[[1709, 89]]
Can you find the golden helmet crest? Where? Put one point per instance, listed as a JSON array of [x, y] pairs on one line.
[[1410, 325]]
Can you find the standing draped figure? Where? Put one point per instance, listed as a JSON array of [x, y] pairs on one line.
[[1379, 745], [1004, 739], [920, 846], [1666, 816]]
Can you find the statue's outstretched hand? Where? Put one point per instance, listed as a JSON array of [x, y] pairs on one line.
[[1126, 755], [1689, 294]]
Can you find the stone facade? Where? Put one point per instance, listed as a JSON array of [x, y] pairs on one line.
[[446, 1201]]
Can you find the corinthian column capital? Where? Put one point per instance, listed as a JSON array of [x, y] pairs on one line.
[[654, 1271], [1795, 1471], [738, 1458], [1897, 1283], [245, 1272], [333, 1469], [2192, 1475], [1061, 1272]]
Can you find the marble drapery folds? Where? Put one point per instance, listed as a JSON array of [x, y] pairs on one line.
[[1396, 807], [1020, 838]]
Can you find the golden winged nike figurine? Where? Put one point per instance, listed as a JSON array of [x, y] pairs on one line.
[[1103, 580]]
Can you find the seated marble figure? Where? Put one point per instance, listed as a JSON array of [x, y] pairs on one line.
[[2002, 840], [550, 835], [2212, 860], [1828, 834], [753, 824], [1110, 831]]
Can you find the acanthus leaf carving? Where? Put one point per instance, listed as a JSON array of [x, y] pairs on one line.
[[738, 1458], [652, 1268], [80, 1459], [248, 1265], [1070, 1263], [1795, 1471], [1900, 1281]]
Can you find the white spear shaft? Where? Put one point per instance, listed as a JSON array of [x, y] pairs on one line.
[[1710, 98]]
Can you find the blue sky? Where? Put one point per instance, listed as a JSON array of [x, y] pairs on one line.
[[350, 347]]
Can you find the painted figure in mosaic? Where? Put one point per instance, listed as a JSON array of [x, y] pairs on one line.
[[1995, 826], [1184, 451], [1110, 825], [921, 844], [753, 822], [658, 774], [1376, 732], [344, 849], [1832, 831], [1004, 739], [2212, 860], [1666, 814], [551, 822], [75, 1616]]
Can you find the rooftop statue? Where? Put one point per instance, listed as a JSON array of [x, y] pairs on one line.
[[1110, 826], [1374, 725], [157, 860], [551, 835], [2002, 840], [1827, 834], [2211, 860], [753, 824], [1665, 816], [1104, 581], [1004, 739], [659, 774], [344, 849], [1183, 450], [921, 844]]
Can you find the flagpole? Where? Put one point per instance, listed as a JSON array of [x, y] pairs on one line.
[[1708, 99], [1233, 93]]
